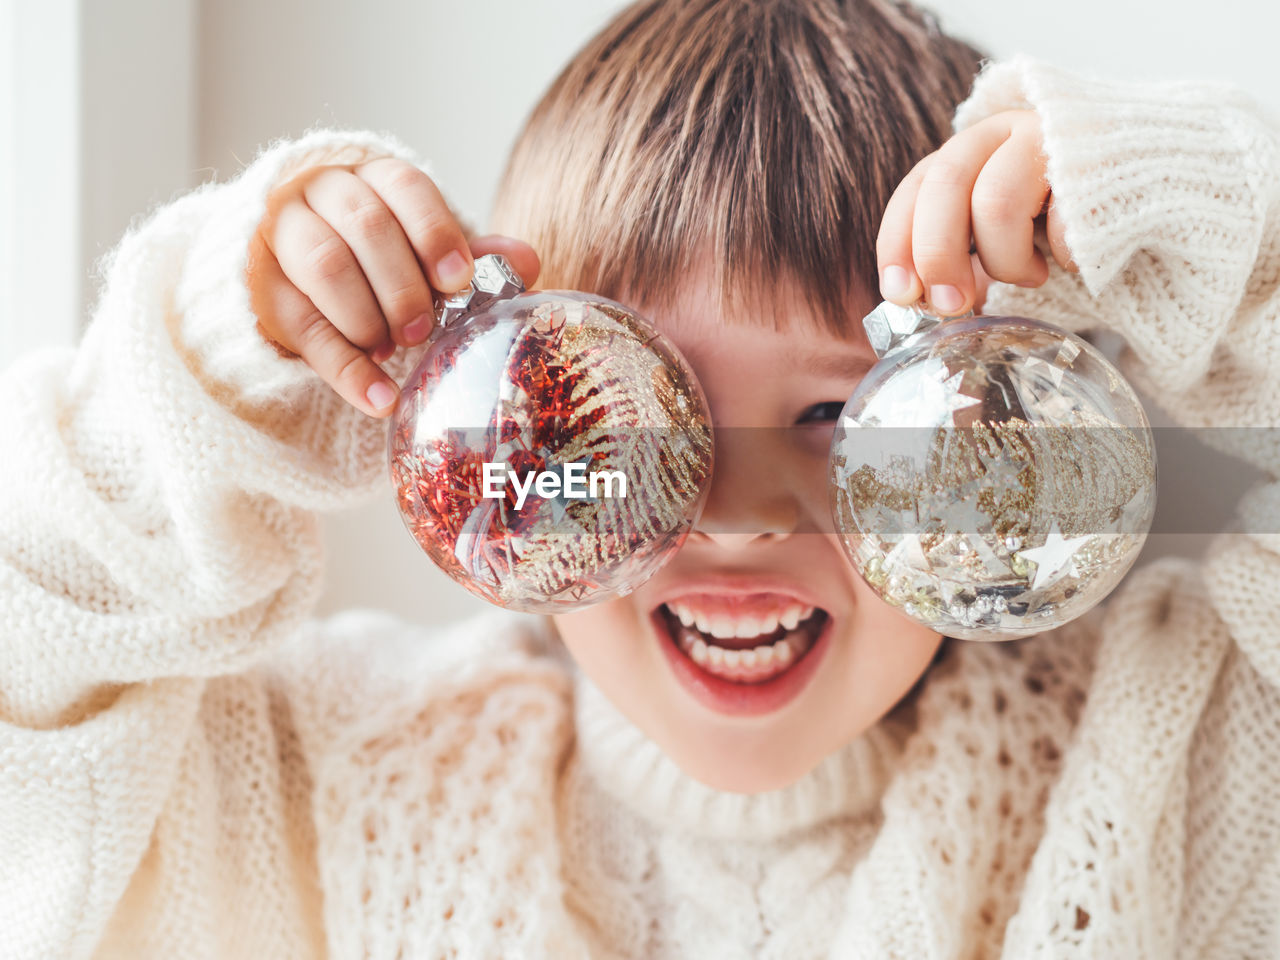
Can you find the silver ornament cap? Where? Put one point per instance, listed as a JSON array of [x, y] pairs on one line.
[[891, 328], [494, 279]]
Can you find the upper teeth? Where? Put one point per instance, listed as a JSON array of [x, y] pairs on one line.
[[725, 625]]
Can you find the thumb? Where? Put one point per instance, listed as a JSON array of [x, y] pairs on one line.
[[1055, 232], [519, 254]]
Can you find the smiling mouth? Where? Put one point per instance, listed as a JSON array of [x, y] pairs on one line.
[[743, 649]]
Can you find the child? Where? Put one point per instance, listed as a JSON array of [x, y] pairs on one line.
[[194, 767]]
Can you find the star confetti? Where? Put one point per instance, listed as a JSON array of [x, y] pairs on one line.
[[1055, 559]]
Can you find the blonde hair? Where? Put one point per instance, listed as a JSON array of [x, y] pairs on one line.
[[768, 134]]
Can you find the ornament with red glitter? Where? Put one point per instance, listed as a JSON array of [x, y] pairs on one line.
[[528, 388]]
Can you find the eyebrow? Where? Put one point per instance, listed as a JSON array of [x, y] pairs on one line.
[[835, 365]]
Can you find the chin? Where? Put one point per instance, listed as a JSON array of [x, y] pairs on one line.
[[747, 683]]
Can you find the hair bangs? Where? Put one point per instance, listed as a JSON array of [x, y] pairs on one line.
[[761, 137]]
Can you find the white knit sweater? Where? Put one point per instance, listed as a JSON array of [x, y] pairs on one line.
[[193, 766]]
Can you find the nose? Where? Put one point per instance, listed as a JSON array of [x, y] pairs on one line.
[[748, 501]]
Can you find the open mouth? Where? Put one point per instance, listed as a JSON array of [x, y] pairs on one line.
[[743, 646]]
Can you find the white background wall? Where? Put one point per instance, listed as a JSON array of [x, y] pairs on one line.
[[136, 99], [96, 123]]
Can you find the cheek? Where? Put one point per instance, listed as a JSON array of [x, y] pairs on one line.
[[883, 651], [606, 640], [805, 467], [888, 651]]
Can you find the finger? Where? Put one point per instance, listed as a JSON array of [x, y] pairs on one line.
[[982, 283], [898, 281], [373, 234], [320, 264], [519, 254], [291, 319], [433, 231], [1004, 206], [940, 225], [1056, 233]]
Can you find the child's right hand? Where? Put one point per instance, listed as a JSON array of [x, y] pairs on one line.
[[342, 268]]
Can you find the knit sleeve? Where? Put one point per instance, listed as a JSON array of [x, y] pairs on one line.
[[1170, 195], [158, 527], [164, 478], [1161, 837]]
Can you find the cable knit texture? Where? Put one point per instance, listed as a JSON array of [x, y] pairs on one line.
[[192, 765]]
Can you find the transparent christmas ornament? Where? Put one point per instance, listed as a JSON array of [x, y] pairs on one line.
[[994, 477], [577, 401]]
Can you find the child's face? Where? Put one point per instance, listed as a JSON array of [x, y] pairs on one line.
[[761, 556]]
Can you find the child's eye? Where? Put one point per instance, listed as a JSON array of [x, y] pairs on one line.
[[822, 412]]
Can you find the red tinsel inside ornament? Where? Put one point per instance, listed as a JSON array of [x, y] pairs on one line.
[[556, 378]]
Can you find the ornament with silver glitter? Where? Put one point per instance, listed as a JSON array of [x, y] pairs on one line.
[[992, 477]]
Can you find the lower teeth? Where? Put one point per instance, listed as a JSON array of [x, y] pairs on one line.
[[746, 666]]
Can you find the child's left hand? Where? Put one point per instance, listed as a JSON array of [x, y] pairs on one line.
[[967, 214]]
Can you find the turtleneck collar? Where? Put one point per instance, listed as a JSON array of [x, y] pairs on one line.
[[630, 767]]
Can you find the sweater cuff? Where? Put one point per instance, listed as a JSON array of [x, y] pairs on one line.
[[1138, 164], [217, 329]]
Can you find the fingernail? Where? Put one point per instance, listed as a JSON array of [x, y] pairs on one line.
[[383, 352], [946, 298], [454, 271], [895, 282], [416, 330], [381, 396]]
